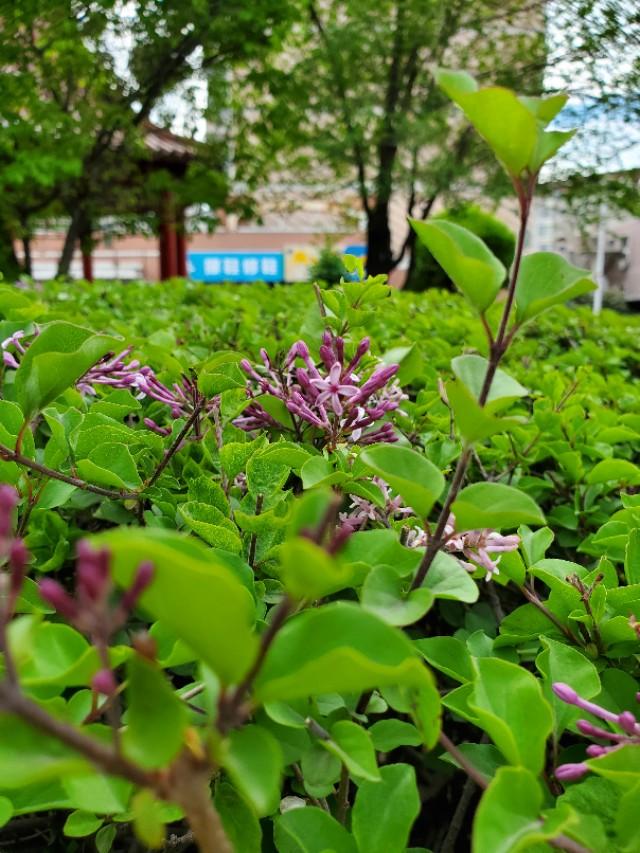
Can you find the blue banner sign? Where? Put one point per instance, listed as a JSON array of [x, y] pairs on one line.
[[235, 266]]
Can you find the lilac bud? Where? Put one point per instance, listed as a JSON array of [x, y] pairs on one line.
[[92, 570], [18, 559], [327, 338], [566, 693], [363, 347], [54, 594], [595, 751], [151, 424], [8, 502], [104, 682], [141, 581], [571, 772], [245, 364], [627, 722], [10, 360]]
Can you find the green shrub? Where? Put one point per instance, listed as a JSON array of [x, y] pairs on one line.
[[329, 267]]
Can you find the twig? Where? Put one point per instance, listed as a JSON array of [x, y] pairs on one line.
[[342, 797], [102, 756], [453, 830], [171, 451], [532, 598], [13, 456], [230, 705], [497, 350], [254, 536]]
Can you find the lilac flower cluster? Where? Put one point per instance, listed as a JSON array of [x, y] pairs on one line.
[[114, 371], [330, 397], [630, 734], [91, 610]]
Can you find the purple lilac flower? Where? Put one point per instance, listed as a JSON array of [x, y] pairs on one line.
[[477, 546], [110, 370], [331, 396], [15, 342], [630, 734]]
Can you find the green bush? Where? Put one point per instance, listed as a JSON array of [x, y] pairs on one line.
[[427, 273], [329, 267]]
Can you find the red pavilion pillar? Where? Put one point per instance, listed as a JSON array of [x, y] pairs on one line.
[[168, 238], [181, 246]]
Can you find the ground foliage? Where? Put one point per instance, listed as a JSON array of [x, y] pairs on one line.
[[428, 642]]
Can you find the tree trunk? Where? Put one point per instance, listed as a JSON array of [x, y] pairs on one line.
[[70, 240], [27, 266], [9, 264], [379, 254]]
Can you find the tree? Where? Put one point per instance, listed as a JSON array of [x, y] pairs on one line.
[[351, 103], [78, 112], [351, 100]]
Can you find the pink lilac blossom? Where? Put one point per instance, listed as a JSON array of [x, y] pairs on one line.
[[478, 547], [630, 734], [331, 396]]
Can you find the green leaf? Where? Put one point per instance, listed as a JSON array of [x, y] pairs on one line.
[[510, 707], [512, 126], [193, 593], [632, 557], [96, 793], [384, 811], [474, 422], [409, 473], [79, 824], [308, 572], [110, 464], [389, 734], [471, 371], [148, 819], [240, 823], [494, 505], [352, 745], [615, 471], [254, 760], [508, 816], [621, 766], [311, 830], [212, 525], [465, 258], [448, 579], [337, 648], [6, 811], [387, 595], [56, 359], [546, 279], [105, 838], [449, 655], [564, 663], [156, 717], [27, 756]]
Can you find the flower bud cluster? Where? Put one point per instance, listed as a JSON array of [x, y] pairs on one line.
[[14, 556], [334, 399], [630, 734], [115, 372], [91, 610]]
